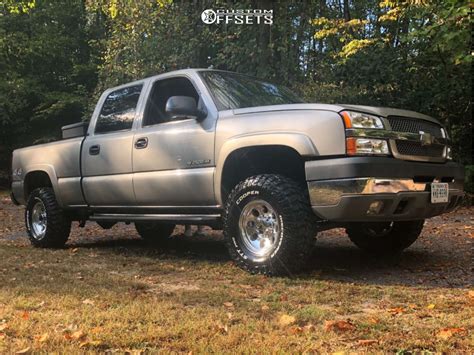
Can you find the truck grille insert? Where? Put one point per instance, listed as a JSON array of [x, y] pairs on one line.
[[407, 149], [416, 149], [402, 124]]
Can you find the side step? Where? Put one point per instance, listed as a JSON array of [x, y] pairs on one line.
[[119, 217]]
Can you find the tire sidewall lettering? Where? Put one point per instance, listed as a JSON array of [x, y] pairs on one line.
[[245, 195]]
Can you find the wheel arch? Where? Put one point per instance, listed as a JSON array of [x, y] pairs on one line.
[[41, 176], [281, 153]]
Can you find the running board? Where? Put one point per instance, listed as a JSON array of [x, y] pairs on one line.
[[119, 217]]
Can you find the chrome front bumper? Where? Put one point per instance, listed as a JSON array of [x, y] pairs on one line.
[[363, 189], [330, 192]]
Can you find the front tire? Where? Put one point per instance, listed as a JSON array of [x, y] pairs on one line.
[[154, 232], [46, 223], [268, 225], [385, 237]]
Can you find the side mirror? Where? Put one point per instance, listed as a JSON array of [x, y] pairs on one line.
[[183, 106]]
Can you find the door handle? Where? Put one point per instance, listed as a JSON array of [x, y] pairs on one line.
[[94, 149], [141, 143]]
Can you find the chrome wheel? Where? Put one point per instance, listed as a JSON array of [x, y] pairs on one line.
[[260, 229], [38, 220]]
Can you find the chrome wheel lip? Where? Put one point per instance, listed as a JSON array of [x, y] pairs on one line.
[[259, 229], [38, 220]]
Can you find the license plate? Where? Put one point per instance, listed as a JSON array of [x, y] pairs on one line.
[[439, 192]]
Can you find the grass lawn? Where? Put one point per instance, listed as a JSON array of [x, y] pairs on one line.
[[108, 291]]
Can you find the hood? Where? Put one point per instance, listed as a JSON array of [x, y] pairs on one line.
[[374, 110]]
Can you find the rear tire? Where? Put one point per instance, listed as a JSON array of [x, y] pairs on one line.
[[385, 237], [268, 225], [154, 232], [46, 223]]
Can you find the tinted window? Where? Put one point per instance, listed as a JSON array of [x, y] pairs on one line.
[[231, 91], [160, 93], [119, 109]]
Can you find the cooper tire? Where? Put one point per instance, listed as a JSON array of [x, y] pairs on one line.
[[46, 223], [385, 238], [268, 225], [155, 233]]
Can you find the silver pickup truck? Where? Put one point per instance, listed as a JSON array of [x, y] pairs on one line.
[[211, 147]]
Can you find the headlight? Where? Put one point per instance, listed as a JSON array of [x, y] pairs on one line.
[[361, 120], [356, 146]]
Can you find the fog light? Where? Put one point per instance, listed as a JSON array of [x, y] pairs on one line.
[[375, 207], [366, 146]]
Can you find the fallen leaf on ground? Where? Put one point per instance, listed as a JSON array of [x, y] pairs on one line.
[[77, 335], [228, 304], [42, 338], [364, 342], [430, 306], [296, 330], [285, 320], [23, 351], [88, 301], [25, 315], [396, 310], [338, 325], [222, 328], [447, 333]]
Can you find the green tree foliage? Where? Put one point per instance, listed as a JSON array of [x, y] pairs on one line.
[[46, 68], [57, 56]]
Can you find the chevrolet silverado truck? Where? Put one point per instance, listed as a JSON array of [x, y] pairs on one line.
[[217, 148]]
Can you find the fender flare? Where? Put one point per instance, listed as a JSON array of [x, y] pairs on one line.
[[301, 143], [49, 170]]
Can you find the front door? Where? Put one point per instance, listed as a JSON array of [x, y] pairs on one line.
[[173, 158], [107, 151]]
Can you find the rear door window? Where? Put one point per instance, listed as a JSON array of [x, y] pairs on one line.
[[118, 111]]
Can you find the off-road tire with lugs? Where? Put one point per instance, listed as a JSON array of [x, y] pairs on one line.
[[57, 224], [385, 238], [290, 203]]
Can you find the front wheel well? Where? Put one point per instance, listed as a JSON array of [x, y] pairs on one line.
[[36, 179], [268, 159]]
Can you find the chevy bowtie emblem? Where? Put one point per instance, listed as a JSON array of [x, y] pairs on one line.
[[426, 138]]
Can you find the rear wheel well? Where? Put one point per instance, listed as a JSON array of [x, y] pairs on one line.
[[269, 159], [36, 179]]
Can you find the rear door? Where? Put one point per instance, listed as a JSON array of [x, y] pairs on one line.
[[107, 150]]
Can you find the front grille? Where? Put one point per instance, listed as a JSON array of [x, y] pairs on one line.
[[402, 124], [406, 149], [416, 149]]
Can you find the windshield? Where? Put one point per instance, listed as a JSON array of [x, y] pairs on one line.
[[231, 91]]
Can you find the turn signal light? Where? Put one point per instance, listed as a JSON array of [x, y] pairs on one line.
[[364, 146]]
